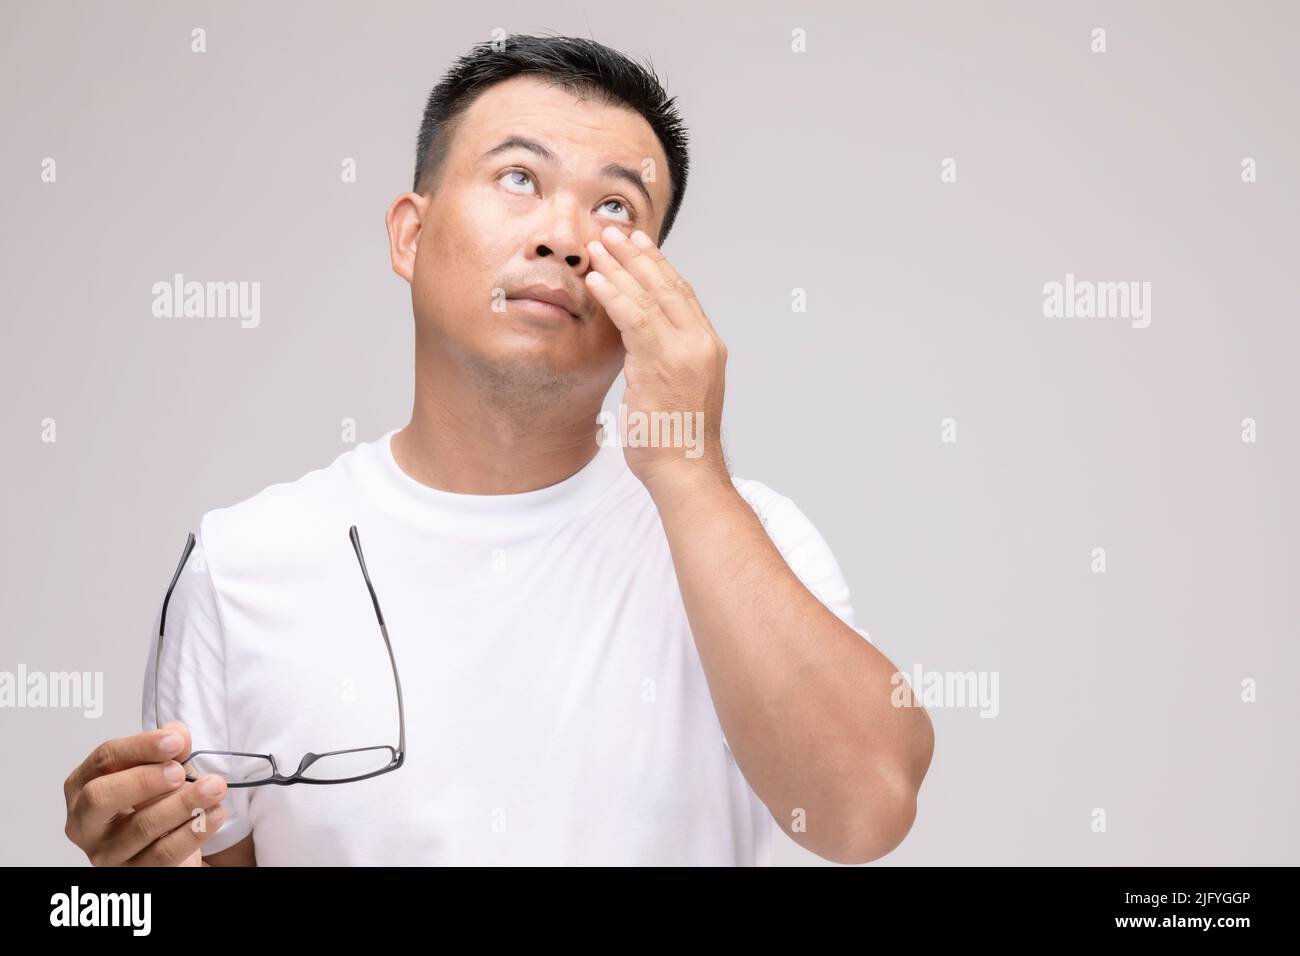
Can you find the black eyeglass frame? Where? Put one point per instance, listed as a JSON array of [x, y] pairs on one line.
[[398, 754]]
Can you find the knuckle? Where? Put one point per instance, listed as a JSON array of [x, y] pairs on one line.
[[168, 852], [136, 828], [100, 760], [644, 301], [200, 801], [93, 795], [192, 797]]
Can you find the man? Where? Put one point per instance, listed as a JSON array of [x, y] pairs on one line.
[[611, 651]]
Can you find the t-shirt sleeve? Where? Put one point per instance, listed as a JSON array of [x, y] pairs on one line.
[[804, 549], [192, 681]]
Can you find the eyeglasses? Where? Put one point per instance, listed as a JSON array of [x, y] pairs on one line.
[[256, 770]]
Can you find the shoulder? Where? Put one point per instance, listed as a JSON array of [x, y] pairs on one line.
[[282, 520]]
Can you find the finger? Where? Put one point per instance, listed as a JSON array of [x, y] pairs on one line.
[[117, 755], [604, 262], [675, 287], [189, 777], [628, 267], [122, 753], [640, 328], [178, 845], [132, 834], [106, 798], [639, 255]]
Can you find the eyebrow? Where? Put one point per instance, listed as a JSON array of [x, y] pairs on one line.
[[609, 170]]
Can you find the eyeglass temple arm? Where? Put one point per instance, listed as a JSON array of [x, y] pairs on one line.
[[162, 626], [383, 629]]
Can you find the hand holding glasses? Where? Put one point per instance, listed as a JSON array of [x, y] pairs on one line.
[[255, 770]]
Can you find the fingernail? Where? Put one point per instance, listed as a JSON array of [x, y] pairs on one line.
[[641, 239], [169, 744], [174, 773], [614, 234], [211, 786], [598, 247]]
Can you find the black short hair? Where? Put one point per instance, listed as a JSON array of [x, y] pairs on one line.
[[583, 67]]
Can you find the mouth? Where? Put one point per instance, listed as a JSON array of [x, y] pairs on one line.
[[542, 309]]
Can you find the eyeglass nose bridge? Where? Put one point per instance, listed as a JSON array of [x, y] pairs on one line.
[[276, 777], [307, 760]]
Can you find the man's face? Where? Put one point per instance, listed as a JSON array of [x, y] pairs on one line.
[[504, 219]]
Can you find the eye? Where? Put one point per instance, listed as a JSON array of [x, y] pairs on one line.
[[631, 215], [516, 172], [511, 178]]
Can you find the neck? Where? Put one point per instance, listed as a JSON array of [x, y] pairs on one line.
[[478, 429]]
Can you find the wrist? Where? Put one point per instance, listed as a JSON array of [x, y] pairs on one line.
[[689, 480]]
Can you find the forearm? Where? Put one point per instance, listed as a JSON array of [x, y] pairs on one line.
[[804, 700]]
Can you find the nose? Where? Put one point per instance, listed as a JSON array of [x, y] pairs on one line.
[[560, 232]]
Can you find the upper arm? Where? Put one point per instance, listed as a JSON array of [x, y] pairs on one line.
[[805, 551]]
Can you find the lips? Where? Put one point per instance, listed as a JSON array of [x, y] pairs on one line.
[[544, 311], [549, 295]]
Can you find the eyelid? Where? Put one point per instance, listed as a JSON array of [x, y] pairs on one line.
[[517, 169], [632, 216]]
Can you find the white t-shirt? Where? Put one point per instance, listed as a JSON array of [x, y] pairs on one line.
[[556, 709]]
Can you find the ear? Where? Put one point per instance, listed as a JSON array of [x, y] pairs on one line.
[[405, 221]]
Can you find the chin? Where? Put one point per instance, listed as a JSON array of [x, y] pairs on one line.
[[519, 364]]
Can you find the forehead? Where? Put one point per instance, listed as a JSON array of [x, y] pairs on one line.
[[584, 133]]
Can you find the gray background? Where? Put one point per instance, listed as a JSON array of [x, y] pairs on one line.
[[817, 171]]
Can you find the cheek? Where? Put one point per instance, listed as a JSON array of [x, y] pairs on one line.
[[452, 237], [459, 256], [610, 341]]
